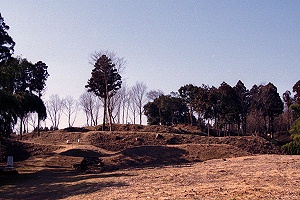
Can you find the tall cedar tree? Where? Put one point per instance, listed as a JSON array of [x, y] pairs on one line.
[[266, 100], [243, 101], [38, 76], [188, 94], [228, 105], [105, 82], [8, 102]]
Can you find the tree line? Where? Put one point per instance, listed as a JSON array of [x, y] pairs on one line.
[[223, 110], [227, 110]]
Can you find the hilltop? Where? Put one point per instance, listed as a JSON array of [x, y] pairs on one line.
[[139, 162], [137, 145]]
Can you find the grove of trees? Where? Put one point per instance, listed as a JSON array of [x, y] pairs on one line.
[[21, 85], [227, 110]]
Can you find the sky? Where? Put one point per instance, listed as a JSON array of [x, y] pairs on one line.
[[166, 43]]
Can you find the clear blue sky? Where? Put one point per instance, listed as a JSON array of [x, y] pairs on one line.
[[167, 43]]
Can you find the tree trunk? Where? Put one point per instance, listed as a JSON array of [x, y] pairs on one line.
[[69, 119], [123, 114], [141, 116], [38, 125], [25, 127], [244, 125], [87, 118], [109, 115], [289, 120], [271, 124], [21, 127], [191, 115], [208, 127], [104, 113], [134, 117]]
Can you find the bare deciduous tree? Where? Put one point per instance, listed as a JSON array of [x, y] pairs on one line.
[[90, 104], [139, 91], [154, 94], [55, 107], [70, 109], [124, 103], [114, 107], [32, 119], [120, 63], [132, 108]]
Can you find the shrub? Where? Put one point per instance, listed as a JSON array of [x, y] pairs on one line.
[[294, 146]]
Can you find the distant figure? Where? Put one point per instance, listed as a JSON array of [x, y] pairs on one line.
[[68, 141], [78, 140]]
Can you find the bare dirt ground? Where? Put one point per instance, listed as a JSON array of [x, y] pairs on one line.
[[150, 165]]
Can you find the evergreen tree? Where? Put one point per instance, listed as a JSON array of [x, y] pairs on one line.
[[166, 110], [6, 42], [243, 101], [105, 81]]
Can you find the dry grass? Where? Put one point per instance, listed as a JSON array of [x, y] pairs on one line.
[[250, 177], [189, 170], [258, 177]]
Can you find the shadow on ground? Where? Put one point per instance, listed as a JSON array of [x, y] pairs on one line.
[[55, 184], [146, 156], [82, 153]]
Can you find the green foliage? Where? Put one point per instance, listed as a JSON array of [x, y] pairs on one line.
[[152, 111], [166, 110], [38, 75], [29, 103], [266, 103], [225, 107], [188, 95], [6, 42], [294, 146], [243, 105], [228, 104], [105, 78], [18, 79], [14, 74], [295, 130], [8, 112], [18, 105]]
